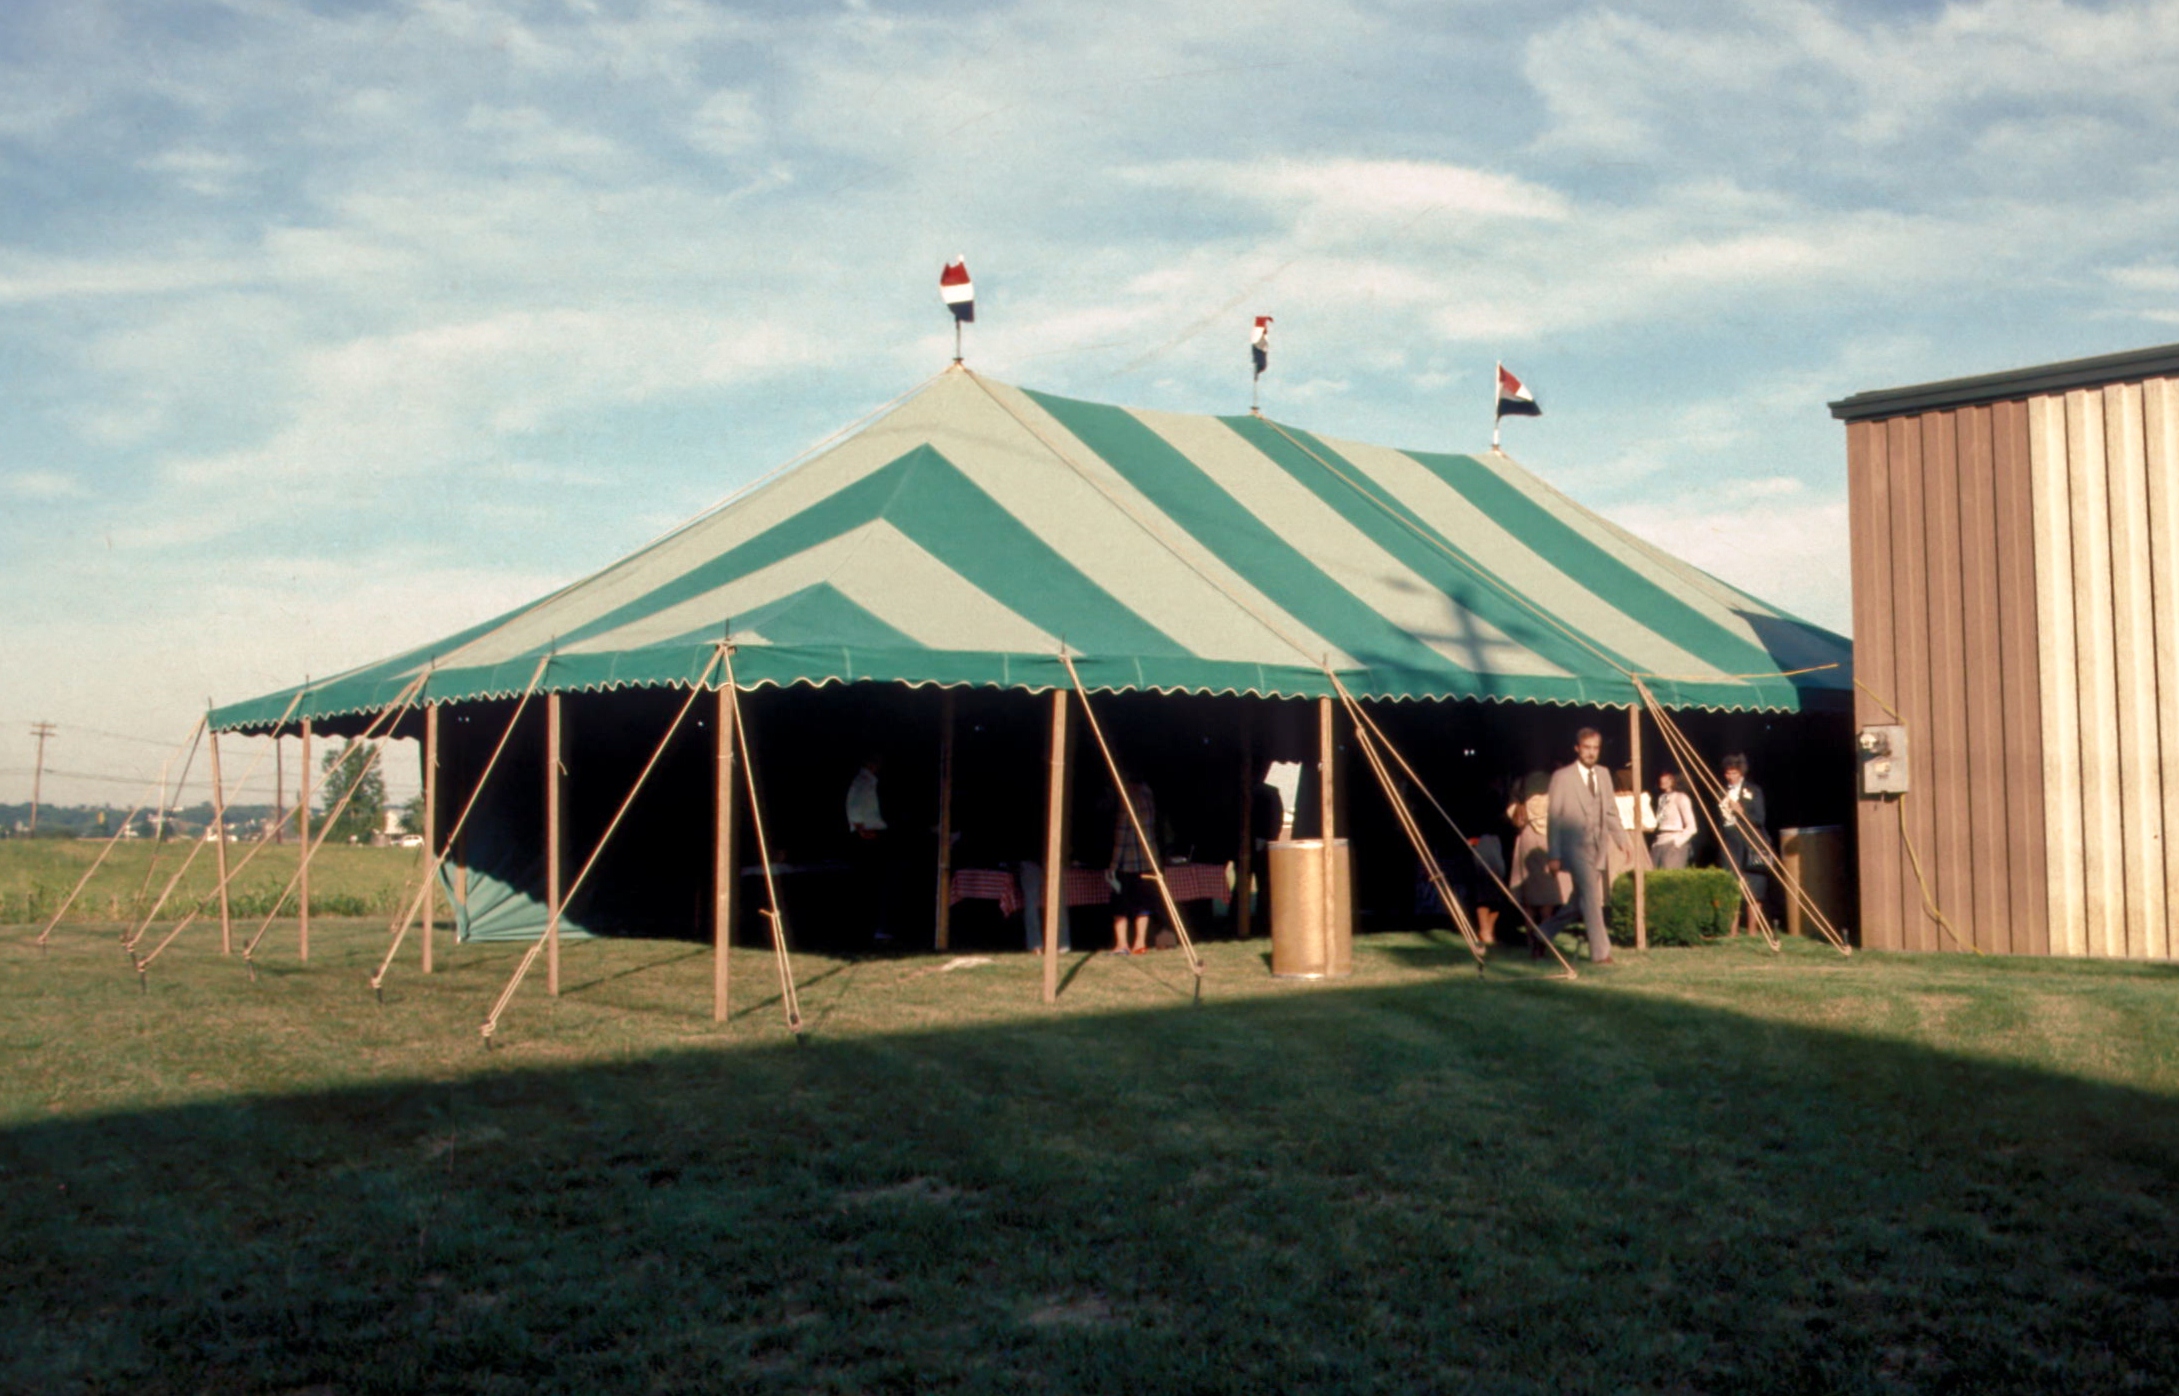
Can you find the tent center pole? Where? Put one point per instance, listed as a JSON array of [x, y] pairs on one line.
[[722, 856], [942, 936], [1055, 844], [219, 844], [302, 821], [430, 830], [1327, 802], [1641, 861], [552, 844]]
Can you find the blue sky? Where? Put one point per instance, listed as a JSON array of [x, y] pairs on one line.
[[328, 328]]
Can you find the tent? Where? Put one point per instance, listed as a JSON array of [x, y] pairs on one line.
[[972, 533]]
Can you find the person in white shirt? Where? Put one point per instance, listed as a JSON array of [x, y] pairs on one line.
[[869, 851], [1676, 828]]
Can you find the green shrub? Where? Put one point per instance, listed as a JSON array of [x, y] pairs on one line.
[[1686, 906]]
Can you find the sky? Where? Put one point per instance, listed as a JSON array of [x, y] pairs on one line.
[[329, 328]]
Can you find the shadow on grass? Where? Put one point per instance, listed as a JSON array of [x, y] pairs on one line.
[[1424, 1187]]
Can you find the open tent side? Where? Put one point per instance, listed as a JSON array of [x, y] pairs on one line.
[[978, 532]]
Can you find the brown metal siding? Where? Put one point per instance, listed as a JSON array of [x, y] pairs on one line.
[[2016, 601], [1910, 641], [2021, 738], [1869, 504], [1983, 675], [1945, 735]]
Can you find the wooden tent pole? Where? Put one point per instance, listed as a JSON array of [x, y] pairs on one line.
[[1327, 804], [219, 847], [1244, 865], [943, 936], [1641, 889], [302, 873], [722, 854], [431, 824], [552, 844], [1055, 844]]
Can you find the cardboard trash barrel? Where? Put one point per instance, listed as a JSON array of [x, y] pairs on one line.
[[1815, 857], [1302, 946]]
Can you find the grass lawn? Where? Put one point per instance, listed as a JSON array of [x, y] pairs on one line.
[[1710, 1171], [36, 876]]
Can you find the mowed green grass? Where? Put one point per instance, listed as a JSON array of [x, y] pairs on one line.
[[1709, 1171], [38, 876]]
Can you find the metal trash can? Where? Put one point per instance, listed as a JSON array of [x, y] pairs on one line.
[[1302, 946]]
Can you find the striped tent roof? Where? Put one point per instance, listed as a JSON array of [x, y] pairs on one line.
[[974, 531]]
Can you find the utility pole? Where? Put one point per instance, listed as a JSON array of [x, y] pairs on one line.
[[40, 730]]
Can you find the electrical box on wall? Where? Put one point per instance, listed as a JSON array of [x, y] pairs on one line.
[[1883, 760]]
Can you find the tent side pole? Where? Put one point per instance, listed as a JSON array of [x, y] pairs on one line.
[[302, 819], [431, 824], [219, 849], [1244, 864], [722, 855], [1328, 805], [1055, 844], [943, 935], [552, 844], [1641, 890]]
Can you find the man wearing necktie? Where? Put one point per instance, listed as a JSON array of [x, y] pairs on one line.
[[1584, 827]]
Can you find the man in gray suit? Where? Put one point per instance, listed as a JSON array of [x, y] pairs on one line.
[[1584, 825]]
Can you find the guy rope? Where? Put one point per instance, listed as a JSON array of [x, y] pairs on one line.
[[111, 844], [789, 1000], [436, 858], [1364, 723], [552, 926], [1142, 836]]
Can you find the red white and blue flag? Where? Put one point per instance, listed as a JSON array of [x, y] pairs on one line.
[[1514, 400], [1259, 344], [955, 289]]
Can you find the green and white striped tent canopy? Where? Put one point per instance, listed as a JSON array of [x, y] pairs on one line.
[[976, 530]]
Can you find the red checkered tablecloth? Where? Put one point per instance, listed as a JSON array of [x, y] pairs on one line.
[[1085, 887], [1192, 882], [987, 884]]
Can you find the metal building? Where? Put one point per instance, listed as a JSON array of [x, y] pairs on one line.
[[2016, 613]]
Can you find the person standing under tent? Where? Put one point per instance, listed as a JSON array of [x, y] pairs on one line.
[[1585, 831], [1676, 826], [869, 850], [1134, 895], [1636, 824], [1541, 889], [1742, 819]]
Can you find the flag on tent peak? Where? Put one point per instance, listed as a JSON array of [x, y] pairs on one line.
[[1514, 400], [1259, 344], [955, 289]]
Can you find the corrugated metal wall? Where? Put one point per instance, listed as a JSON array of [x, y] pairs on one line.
[[2016, 600]]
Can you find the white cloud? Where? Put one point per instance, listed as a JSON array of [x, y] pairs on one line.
[[42, 485], [727, 123]]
